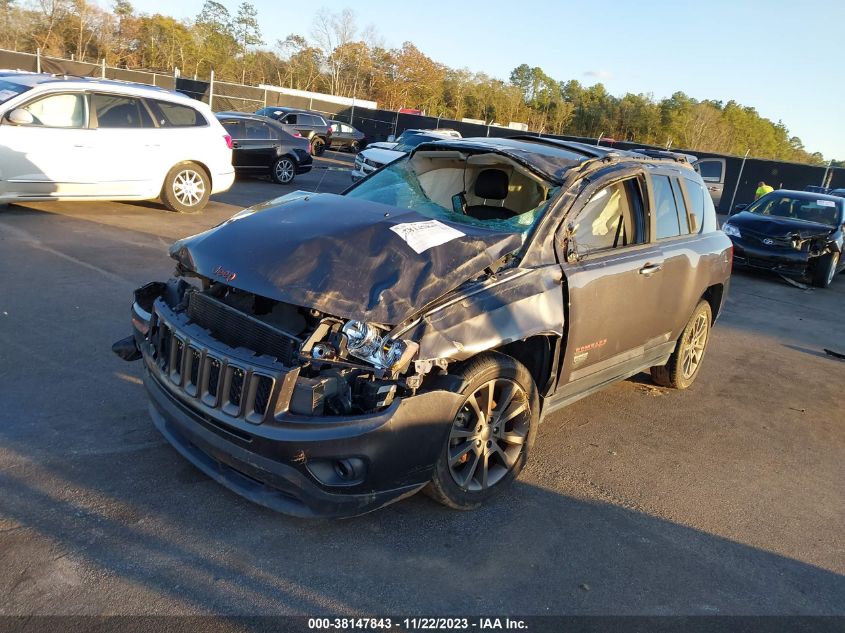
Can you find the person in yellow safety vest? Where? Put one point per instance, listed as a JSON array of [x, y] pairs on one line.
[[762, 190]]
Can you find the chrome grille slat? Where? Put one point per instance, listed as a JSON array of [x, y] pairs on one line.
[[230, 386]]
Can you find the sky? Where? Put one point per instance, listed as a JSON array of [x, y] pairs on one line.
[[782, 57]]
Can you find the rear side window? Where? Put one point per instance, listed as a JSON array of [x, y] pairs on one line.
[[117, 111], [257, 130], [682, 207], [710, 170], [665, 211], [291, 119], [696, 195], [178, 115], [233, 129]]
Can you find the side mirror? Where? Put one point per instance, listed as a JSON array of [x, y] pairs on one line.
[[391, 138], [738, 208], [19, 116]]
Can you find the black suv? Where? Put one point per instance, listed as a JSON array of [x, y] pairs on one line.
[[311, 125], [261, 145], [327, 354]]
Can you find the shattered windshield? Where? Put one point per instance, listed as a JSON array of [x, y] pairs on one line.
[[798, 208], [442, 194]]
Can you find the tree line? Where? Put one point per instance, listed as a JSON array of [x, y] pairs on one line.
[[338, 57]]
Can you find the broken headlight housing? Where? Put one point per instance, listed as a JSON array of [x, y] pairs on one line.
[[367, 342], [731, 230]]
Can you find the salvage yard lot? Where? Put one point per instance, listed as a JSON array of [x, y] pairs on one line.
[[726, 498]]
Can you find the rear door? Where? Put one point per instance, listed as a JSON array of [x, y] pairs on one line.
[[677, 224], [258, 147], [613, 277], [712, 172], [126, 144]]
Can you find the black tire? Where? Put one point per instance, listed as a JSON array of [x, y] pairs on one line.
[[825, 270], [283, 171], [186, 188], [481, 451], [318, 146], [354, 148], [685, 362]]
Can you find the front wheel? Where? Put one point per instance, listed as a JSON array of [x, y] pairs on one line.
[[825, 270], [283, 171], [186, 188], [318, 146], [490, 435], [683, 365]]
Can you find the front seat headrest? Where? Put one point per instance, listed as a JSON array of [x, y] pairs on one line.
[[492, 184]]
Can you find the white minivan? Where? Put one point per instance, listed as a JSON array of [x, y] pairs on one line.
[[70, 138]]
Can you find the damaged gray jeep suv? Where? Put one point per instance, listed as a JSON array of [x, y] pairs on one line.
[[324, 355]]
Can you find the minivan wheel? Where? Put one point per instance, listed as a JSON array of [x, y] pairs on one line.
[[685, 362], [186, 188], [318, 146], [491, 434], [825, 270], [283, 171]]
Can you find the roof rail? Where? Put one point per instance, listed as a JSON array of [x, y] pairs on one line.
[[664, 153], [583, 148]]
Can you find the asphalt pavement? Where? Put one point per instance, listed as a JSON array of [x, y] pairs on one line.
[[726, 498]]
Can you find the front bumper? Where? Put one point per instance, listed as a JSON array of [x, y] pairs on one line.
[[281, 460], [785, 261]]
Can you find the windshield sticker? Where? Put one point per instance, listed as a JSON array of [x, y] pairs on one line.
[[826, 203], [422, 236]]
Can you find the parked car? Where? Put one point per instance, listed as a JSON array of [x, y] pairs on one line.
[[69, 138], [411, 332], [346, 137], [794, 233], [311, 125], [262, 145], [381, 153], [840, 193]]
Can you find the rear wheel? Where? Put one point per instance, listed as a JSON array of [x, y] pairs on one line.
[[825, 270], [283, 171], [186, 188], [491, 433], [354, 147], [318, 146], [683, 365]]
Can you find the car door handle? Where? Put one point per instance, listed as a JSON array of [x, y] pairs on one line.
[[713, 188], [235, 144], [650, 269]]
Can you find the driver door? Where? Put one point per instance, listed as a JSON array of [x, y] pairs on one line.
[[51, 155], [612, 273]]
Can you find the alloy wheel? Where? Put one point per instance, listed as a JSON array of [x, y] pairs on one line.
[[188, 187], [284, 170], [834, 262], [694, 346], [488, 434]]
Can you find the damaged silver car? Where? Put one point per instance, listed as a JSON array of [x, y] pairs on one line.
[[325, 355]]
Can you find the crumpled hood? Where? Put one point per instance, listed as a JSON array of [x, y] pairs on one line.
[[774, 226], [340, 256]]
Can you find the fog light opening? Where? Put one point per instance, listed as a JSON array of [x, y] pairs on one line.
[[345, 469]]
